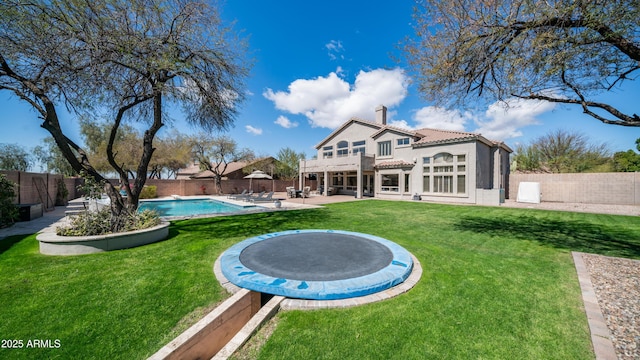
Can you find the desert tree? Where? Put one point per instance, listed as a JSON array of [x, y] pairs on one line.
[[14, 157], [627, 161], [562, 51], [126, 59], [562, 151], [173, 152], [289, 163], [49, 156], [125, 145], [526, 158], [215, 153]]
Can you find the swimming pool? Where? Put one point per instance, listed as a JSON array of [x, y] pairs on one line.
[[191, 207]]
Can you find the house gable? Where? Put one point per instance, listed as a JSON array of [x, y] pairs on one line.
[[366, 126], [352, 138]]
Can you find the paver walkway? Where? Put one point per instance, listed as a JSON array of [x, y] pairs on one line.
[[36, 225]]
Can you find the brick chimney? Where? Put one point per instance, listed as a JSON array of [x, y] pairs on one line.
[[381, 114]]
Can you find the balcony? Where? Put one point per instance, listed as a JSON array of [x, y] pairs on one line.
[[345, 163]]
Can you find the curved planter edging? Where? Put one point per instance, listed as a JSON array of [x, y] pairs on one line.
[[52, 244]]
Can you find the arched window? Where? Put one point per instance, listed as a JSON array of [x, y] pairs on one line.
[[343, 148], [445, 173]]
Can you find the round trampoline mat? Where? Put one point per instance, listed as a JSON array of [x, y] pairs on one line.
[[316, 264], [316, 256]]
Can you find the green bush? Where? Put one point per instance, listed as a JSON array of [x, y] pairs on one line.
[[142, 220], [62, 193], [8, 211], [88, 223], [99, 222], [149, 192]]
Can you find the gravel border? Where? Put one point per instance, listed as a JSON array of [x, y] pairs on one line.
[[613, 285], [616, 283]]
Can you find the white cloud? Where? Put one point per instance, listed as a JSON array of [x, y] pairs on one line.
[[402, 124], [285, 122], [504, 120], [330, 101], [253, 130], [439, 118], [335, 48]]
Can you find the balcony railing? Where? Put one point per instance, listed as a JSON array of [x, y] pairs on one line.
[[343, 163]]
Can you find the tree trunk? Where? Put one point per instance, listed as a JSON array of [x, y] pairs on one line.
[[218, 180]]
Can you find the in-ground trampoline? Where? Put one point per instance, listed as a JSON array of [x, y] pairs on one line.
[[316, 264]]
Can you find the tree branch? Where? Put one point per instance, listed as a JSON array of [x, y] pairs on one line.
[[609, 36], [622, 119]]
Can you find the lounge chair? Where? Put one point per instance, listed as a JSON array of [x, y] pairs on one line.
[[291, 191], [243, 196], [306, 192], [251, 198], [235, 196], [268, 198]]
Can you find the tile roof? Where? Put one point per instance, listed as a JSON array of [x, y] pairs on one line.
[[435, 136], [195, 172], [393, 164], [425, 136]]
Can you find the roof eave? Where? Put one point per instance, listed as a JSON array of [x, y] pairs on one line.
[[342, 127], [444, 142]]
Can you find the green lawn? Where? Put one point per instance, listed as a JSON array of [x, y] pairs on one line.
[[497, 283]]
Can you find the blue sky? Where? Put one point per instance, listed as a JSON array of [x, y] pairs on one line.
[[317, 64]]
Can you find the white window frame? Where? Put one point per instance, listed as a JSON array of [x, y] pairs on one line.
[[358, 147], [387, 146], [327, 152], [444, 177], [406, 141], [342, 149], [395, 189]]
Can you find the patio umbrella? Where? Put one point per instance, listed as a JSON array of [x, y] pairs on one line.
[[257, 174]]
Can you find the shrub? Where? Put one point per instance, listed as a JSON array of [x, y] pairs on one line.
[[99, 222], [149, 192], [61, 193], [8, 211], [88, 223]]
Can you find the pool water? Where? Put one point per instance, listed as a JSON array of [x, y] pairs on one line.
[[192, 207]]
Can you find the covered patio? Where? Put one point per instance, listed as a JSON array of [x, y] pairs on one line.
[[348, 175]]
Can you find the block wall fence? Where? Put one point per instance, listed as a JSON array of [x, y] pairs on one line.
[[167, 187], [588, 188], [36, 188], [27, 189]]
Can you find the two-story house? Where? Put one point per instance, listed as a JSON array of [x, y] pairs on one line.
[[366, 158]]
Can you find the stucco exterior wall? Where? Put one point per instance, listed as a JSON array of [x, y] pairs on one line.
[[484, 169], [357, 131], [464, 148]]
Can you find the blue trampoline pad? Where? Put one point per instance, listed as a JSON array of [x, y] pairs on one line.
[[316, 264]]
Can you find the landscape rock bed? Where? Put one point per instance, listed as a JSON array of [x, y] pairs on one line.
[[616, 282]]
